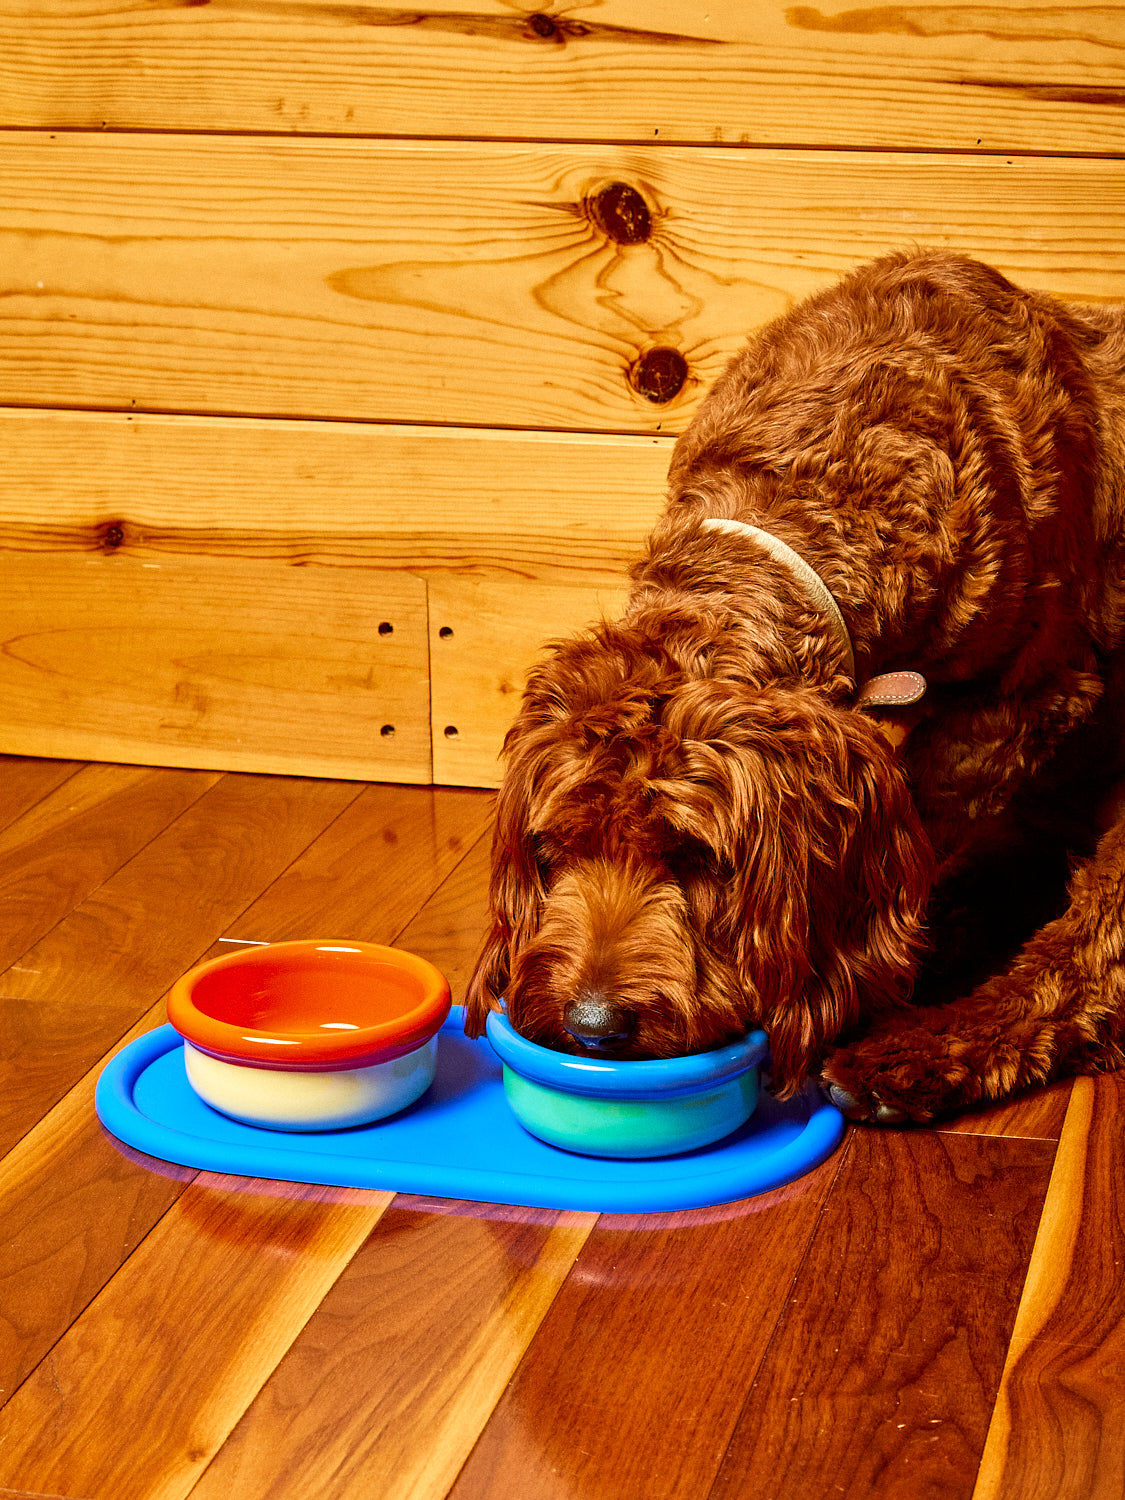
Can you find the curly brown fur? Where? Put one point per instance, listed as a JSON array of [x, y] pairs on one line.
[[698, 830]]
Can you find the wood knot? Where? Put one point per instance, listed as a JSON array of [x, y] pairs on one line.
[[112, 535], [543, 26], [659, 374], [621, 213]]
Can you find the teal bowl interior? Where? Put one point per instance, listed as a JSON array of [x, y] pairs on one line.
[[628, 1109]]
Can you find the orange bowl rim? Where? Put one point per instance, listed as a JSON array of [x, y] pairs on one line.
[[305, 1049]]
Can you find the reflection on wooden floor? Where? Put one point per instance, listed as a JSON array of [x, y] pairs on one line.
[[931, 1313]]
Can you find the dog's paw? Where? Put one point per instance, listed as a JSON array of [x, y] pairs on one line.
[[870, 1110], [907, 1077]]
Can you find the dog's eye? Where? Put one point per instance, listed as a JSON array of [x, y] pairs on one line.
[[692, 857]]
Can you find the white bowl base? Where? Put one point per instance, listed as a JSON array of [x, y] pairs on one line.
[[278, 1099]]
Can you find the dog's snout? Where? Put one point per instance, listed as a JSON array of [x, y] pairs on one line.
[[596, 1023]]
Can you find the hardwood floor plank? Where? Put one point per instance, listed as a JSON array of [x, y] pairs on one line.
[[633, 1384], [74, 1205], [392, 1381], [318, 893], [71, 841], [24, 781], [451, 926], [139, 931], [140, 936], [1057, 1428], [1038, 1115], [369, 874], [41, 1047], [387, 1388], [127, 943], [142, 1390], [889, 1354]]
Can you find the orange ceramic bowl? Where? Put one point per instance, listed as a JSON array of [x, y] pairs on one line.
[[310, 1035]]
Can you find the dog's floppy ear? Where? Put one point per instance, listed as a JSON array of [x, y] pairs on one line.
[[516, 888], [535, 759], [832, 877], [487, 981], [568, 703]]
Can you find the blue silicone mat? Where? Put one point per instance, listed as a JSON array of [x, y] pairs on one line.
[[460, 1140]]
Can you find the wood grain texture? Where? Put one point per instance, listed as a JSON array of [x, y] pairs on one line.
[[118, 951], [198, 1317], [241, 666], [1057, 1428], [843, 1336], [633, 1385], [484, 1276], [449, 928], [890, 1348], [470, 284], [44, 1048], [1037, 1115], [75, 1205], [373, 869], [552, 507], [152, 537], [241, 836], [1002, 77], [71, 841], [485, 636], [24, 782]]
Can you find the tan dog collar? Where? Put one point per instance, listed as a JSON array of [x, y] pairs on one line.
[[889, 689]]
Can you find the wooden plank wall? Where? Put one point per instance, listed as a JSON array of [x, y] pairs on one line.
[[342, 347]]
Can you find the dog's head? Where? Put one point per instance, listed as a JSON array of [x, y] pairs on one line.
[[680, 858]]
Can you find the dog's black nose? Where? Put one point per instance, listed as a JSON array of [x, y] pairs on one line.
[[595, 1023]]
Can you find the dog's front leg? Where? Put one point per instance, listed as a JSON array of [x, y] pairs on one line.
[[1058, 1010]]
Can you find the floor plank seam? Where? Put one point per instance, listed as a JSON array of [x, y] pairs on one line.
[[220, 777], [93, 1073], [7, 1494], [840, 1159], [991, 1135], [90, 1077], [486, 833], [110, 875], [48, 1354], [526, 1356], [256, 896], [31, 806]]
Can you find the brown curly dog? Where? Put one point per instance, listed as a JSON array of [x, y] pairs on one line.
[[848, 767]]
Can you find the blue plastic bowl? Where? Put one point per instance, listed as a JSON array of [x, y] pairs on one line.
[[630, 1109]]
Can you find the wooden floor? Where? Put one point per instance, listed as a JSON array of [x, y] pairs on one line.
[[931, 1314]]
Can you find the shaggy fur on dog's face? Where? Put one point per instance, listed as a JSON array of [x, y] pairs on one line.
[[658, 848], [698, 831]]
